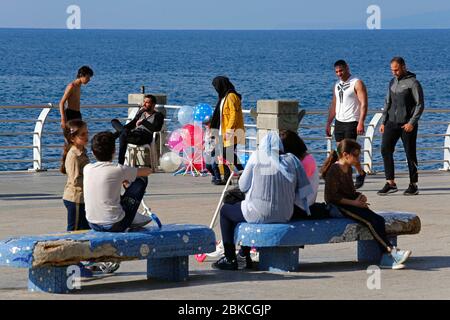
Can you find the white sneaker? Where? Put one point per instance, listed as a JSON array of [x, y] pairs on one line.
[[400, 255], [388, 262], [140, 220]]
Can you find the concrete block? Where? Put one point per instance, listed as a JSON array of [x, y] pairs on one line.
[[279, 122], [277, 106]]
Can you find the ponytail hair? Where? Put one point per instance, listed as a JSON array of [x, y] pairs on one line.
[[347, 146], [71, 130], [332, 158]]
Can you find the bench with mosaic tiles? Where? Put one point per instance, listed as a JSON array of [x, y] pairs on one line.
[[50, 258], [278, 243]]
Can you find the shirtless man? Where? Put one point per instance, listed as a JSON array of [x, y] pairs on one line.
[[349, 109], [72, 96]]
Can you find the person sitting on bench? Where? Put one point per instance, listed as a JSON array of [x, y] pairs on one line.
[[273, 181], [139, 131], [106, 209]]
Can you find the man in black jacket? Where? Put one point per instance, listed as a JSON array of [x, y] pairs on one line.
[[402, 110], [139, 131]]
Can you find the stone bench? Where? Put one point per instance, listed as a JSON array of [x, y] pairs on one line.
[[278, 244], [50, 258]]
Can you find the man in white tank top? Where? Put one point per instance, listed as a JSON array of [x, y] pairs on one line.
[[349, 108]]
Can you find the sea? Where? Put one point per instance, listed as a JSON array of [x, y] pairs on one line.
[[37, 64]]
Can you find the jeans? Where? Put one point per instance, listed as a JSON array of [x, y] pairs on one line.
[[130, 202], [392, 133], [76, 216], [213, 167], [230, 217]]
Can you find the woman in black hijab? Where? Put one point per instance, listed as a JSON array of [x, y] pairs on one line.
[[230, 118]]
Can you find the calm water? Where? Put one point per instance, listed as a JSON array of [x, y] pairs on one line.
[[36, 65]]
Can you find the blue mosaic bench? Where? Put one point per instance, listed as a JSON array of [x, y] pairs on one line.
[[278, 244], [50, 258]]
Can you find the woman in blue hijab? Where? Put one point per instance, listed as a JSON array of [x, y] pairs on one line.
[[273, 182]]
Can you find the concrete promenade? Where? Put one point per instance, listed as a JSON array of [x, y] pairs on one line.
[[30, 203]]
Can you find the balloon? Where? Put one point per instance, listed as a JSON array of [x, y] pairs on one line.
[[192, 135], [175, 140], [203, 113], [170, 161], [185, 115], [243, 157]]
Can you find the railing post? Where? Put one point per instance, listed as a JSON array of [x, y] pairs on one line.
[[368, 143], [37, 139], [447, 150], [275, 115], [330, 141]]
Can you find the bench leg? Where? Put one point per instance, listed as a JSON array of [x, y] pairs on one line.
[[171, 269], [369, 251], [54, 279], [278, 259]]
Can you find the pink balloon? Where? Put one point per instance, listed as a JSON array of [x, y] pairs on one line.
[[175, 141], [192, 135]]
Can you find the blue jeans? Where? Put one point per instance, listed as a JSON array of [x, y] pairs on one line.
[[230, 216], [76, 216], [130, 202]]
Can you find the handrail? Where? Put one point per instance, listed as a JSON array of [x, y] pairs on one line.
[[369, 138]]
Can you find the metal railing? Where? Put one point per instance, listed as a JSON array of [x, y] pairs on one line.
[[305, 130]]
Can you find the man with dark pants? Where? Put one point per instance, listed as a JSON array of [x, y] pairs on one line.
[[402, 110], [139, 131], [349, 107]]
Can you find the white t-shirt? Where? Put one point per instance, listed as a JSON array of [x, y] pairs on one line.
[[347, 102], [102, 188]]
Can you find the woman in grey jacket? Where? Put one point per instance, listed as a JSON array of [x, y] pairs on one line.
[[273, 181]]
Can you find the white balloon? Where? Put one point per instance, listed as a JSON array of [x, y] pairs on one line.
[[170, 161], [185, 115]]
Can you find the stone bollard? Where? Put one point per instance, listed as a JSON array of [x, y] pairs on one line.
[[276, 115], [161, 99]]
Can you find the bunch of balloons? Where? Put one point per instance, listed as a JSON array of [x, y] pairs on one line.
[[186, 143]]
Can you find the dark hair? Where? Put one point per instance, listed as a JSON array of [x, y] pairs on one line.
[[399, 60], [151, 97], [292, 143], [340, 63], [103, 146], [71, 130], [347, 146], [85, 71]]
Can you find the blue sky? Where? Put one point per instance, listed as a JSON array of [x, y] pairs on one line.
[[231, 14]]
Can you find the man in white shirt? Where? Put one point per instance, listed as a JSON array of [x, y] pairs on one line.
[[349, 109], [106, 209]]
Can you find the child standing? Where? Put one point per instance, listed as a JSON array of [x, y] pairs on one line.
[[340, 191], [69, 106], [73, 161], [210, 155]]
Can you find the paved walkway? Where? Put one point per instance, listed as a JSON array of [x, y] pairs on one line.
[[31, 204]]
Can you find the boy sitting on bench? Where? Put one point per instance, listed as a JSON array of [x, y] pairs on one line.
[[139, 131], [106, 209]]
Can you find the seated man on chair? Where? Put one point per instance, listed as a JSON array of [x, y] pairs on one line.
[[139, 131]]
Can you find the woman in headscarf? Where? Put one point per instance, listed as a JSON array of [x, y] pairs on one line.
[[273, 181], [228, 120]]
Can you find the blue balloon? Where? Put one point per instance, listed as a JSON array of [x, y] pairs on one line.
[[203, 113], [243, 158]]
